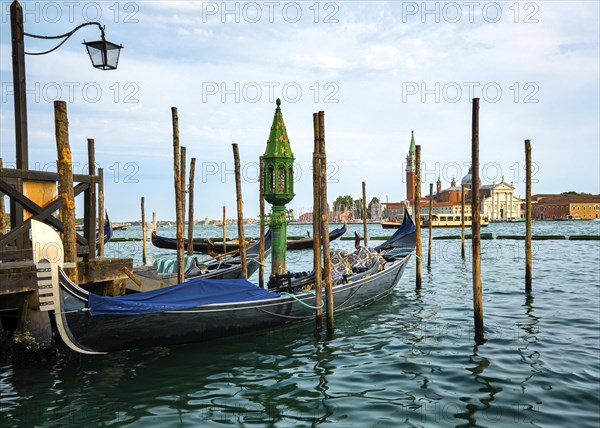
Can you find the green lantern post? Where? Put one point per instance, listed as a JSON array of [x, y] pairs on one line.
[[279, 188]]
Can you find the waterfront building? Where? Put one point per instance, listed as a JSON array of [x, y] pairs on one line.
[[566, 206], [498, 199]]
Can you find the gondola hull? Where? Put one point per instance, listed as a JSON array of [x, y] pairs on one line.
[[203, 246], [105, 333]]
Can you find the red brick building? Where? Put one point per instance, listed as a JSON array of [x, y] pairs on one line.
[[565, 207]]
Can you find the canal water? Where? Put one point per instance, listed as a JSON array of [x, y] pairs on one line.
[[406, 360]]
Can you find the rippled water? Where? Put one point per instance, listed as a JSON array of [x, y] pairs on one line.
[[406, 360]]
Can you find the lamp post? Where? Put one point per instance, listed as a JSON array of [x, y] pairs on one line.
[[103, 54], [279, 188]]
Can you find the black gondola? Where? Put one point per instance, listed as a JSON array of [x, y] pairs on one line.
[[202, 245], [225, 267], [199, 309]]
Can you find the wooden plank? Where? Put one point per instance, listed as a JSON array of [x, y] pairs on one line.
[[11, 173]]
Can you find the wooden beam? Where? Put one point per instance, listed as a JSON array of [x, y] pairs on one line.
[[240, 211], [178, 194], [190, 248], [261, 206], [10, 173], [65, 186], [317, 226], [417, 212], [89, 204], [476, 225], [101, 219]]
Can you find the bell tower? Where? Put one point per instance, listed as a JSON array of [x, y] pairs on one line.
[[410, 169]]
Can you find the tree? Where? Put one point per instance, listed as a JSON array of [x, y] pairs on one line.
[[375, 200], [343, 203]]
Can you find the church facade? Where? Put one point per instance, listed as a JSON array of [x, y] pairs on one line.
[[498, 201]]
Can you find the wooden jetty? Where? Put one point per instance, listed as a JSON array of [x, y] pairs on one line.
[[39, 195]]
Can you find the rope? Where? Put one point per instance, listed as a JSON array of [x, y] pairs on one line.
[[301, 302]]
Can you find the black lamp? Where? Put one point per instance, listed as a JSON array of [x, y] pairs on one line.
[[104, 55]]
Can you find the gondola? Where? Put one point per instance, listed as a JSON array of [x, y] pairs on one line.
[[202, 245], [225, 267], [199, 309], [403, 240]]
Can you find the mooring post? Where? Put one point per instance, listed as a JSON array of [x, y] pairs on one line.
[[261, 205], [240, 211], [475, 228], [364, 207], [430, 225], [325, 225], [182, 165], [528, 262], [90, 202], [190, 247], [65, 186], [224, 229], [178, 195], [462, 220], [144, 238], [317, 226], [2, 209], [101, 218], [417, 212]]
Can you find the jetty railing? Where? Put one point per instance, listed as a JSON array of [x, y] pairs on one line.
[[15, 244]]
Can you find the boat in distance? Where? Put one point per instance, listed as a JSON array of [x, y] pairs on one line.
[[200, 309], [447, 220], [203, 245]]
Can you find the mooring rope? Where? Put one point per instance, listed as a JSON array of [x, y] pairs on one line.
[[301, 302]]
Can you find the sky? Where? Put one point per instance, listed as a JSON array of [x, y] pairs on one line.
[[379, 70]]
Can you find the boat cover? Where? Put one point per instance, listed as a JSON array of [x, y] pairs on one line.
[[190, 294]]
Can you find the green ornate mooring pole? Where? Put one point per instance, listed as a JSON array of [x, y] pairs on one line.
[[279, 187]]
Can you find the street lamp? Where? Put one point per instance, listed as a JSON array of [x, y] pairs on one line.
[[104, 55]]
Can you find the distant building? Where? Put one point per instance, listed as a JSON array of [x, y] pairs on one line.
[[498, 201], [565, 207]]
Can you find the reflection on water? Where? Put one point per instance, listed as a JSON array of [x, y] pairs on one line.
[[406, 360]]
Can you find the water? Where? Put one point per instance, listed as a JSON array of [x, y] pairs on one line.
[[406, 360]]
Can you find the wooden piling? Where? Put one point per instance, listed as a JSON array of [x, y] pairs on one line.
[[190, 247], [178, 195], [101, 218], [417, 215], [65, 186], [182, 165], [261, 205], [475, 228], [528, 262], [462, 220], [2, 209], [317, 226], [144, 238], [325, 225], [224, 229], [430, 225], [90, 202], [364, 207], [240, 211]]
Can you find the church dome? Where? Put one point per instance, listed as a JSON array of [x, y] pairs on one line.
[[466, 180]]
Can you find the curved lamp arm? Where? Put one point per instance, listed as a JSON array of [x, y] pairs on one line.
[[66, 37]]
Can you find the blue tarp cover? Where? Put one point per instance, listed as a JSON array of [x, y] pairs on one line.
[[191, 294]]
